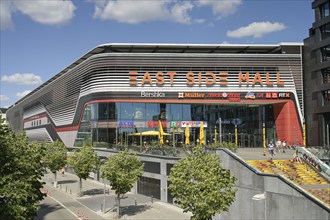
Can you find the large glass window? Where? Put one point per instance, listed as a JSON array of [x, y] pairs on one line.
[[112, 124], [324, 10], [126, 111], [325, 52], [103, 111], [94, 111], [325, 31], [176, 112], [152, 111], [84, 132], [326, 97], [186, 115], [164, 111], [139, 111], [113, 112], [326, 76]]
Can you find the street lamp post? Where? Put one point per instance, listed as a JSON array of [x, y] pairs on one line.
[[264, 138], [104, 198], [220, 130]]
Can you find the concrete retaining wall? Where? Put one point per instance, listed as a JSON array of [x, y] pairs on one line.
[[283, 199]]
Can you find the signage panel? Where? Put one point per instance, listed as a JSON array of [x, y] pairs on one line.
[[207, 78]]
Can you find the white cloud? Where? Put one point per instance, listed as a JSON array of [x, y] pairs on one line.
[[180, 12], [22, 94], [256, 29], [6, 9], [3, 98], [50, 12], [221, 8], [137, 11], [132, 11], [23, 79]]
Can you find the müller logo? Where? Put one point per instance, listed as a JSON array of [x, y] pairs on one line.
[[193, 95]]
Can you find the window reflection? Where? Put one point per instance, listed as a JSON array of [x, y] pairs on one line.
[[108, 124], [325, 31], [324, 10], [326, 76], [325, 52]]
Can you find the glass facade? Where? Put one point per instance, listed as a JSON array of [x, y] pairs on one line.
[[325, 53], [326, 76], [324, 10], [111, 125], [325, 31]]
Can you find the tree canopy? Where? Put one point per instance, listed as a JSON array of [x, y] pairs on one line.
[[84, 161], [55, 157], [122, 170], [21, 169], [201, 186]]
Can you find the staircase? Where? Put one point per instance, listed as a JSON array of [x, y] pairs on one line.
[[301, 174]]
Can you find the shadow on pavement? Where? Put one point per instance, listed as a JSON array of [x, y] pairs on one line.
[[92, 192], [45, 209], [133, 210], [67, 181]]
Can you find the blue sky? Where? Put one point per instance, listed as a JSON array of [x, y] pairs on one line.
[[39, 38]]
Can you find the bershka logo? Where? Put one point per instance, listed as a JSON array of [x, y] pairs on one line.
[[152, 94]]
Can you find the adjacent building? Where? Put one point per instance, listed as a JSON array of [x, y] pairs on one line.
[[317, 76]]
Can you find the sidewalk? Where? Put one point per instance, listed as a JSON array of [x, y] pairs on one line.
[[257, 154], [135, 206]]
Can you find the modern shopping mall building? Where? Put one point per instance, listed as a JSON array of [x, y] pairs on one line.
[[118, 89]]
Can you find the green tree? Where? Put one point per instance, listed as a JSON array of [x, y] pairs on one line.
[[200, 185], [84, 161], [122, 170], [55, 157], [21, 169]]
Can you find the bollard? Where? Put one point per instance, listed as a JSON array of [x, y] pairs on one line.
[[101, 207], [60, 186], [152, 199], [66, 189], [135, 202], [70, 191]]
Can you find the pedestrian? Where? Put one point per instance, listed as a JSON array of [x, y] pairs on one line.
[[271, 150], [296, 157], [62, 171], [284, 146], [278, 145]]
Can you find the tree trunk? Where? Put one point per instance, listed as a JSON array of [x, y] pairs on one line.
[[118, 208], [55, 179], [80, 186]]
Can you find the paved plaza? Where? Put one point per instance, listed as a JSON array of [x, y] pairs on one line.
[[89, 206]]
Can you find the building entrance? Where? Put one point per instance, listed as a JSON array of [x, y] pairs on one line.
[[108, 124]]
